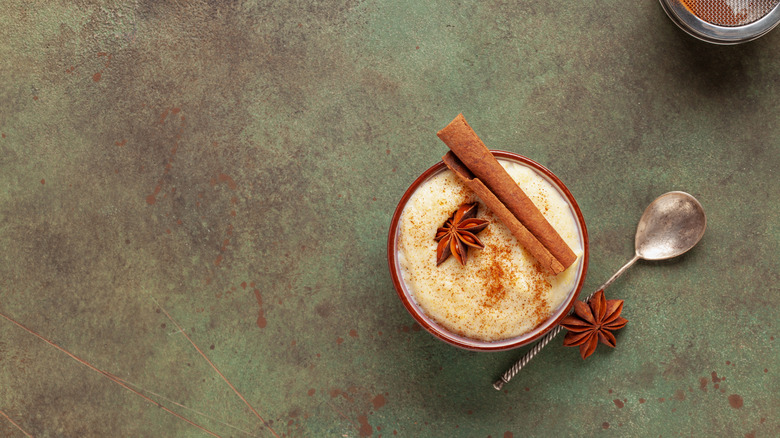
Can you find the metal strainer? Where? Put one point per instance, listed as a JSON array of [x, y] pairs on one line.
[[724, 21]]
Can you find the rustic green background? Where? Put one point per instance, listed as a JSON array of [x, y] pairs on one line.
[[239, 162]]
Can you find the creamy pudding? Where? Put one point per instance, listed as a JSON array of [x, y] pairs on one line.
[[501, 292]]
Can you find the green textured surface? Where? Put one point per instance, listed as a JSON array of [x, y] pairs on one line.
[[192, 152]]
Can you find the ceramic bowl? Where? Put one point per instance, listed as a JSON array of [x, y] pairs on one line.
[[472, 344]]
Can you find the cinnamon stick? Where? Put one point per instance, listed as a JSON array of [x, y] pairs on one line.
[[521, 233], [485, 171]]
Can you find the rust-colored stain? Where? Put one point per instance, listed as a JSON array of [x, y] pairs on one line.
[[736, 401], [167, 111], [618, 403], [715, 378], [311, 392], [415, 327], [152, 199], [378, 401], [43, 181], [353, 333], [223, 248], [365, 428], [261, 321], [508, 434], [121, 143], [97, 76], [335, 392], [227, 179]]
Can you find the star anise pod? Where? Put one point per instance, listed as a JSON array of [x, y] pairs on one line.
[[592, 322], [459, 233]]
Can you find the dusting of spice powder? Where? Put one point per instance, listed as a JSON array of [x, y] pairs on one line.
[[497, 270]]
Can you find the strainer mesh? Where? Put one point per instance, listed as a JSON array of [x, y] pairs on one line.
[[730, 12]]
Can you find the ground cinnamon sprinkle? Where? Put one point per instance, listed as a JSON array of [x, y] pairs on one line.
[[540, 287], [492, 277]]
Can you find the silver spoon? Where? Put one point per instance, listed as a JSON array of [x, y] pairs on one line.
[[670, 226]]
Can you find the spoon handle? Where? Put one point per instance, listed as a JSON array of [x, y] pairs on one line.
[[616, 275], [512, 372]]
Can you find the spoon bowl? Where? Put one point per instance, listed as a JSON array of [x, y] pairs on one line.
[[670, 226]]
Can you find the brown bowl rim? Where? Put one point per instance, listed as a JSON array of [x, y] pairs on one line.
[[484, 345]]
